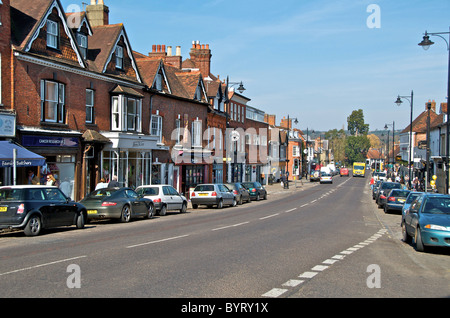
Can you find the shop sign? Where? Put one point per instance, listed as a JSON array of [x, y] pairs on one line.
[[49, 141]]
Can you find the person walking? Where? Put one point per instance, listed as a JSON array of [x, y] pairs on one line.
[[113, 183]]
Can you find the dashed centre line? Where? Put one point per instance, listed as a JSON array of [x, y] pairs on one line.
[[305, 276]]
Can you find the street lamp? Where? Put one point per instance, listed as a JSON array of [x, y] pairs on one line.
[[287, 148], [425, 44], [399, 103], [393, 140]]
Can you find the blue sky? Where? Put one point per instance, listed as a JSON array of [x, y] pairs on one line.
[[313, 60]]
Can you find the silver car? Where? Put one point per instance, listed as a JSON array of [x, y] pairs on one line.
[[164, 197], [212, 194]]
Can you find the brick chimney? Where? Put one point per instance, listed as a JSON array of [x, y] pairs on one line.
[[97, 13], [201, 57], [174, 60], [158, 52], [433, 105], [284, 123], [270, 119]]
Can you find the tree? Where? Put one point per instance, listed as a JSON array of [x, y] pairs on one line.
[[358, 144], [356, 125]]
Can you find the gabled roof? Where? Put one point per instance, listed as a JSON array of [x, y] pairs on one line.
[[192, 81], [419, 125], [149, 68], [76, 20], [103, 43], [29, 17]]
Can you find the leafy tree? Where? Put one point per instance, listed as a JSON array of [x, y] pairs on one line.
[[358, 144], [356, 125]]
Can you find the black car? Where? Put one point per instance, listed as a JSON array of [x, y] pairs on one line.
[[240, 191], [395, 200], [256, 190], [33, 208], [383, 190]]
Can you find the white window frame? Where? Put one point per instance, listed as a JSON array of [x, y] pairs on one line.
[[83, 44], [53, 104], [196, 133], [90, 98], [121, 118], [156, 127], [52, 34], [119, 57]]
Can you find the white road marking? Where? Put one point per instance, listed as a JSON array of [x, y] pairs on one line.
[[290, 210], [275, 292], [308, 275], [269, 216], [319, 268], [158, 241], [293, 282], [304, 205], [228, 226], [42, 265]]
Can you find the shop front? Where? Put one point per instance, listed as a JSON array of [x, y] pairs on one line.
[[129, 158], [62, 154]]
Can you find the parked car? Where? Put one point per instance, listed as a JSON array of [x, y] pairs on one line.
[[212, 194], [165, 198], [383, 190], [409, 199], [428, 221], [395, 200], [343, 172], [326, 177], [33, 208], [314, 175], [375, 189], [256, 190], [117, 203], [240, 191], [379, 176]]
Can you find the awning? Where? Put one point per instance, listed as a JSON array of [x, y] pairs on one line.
[[24, 157]]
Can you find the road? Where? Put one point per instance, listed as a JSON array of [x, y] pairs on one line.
[[322, 240]]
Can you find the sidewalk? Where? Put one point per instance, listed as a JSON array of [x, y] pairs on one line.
[[277, 189]]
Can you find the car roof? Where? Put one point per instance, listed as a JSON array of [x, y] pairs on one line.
[[27, 186]]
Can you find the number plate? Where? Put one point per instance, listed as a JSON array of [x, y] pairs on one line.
[[401, 200], [91, 211], [3, 208], [203, 194]]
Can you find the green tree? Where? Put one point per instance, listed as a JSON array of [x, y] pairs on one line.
[[356, 125], [358, 144]]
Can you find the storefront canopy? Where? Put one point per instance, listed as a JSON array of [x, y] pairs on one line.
[[24, 157]]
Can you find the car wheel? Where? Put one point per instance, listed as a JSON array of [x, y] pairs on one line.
[[258, 197], [234, 202], [126, 214], [183, 208], [418, 240], [150, 211], [265, 196], [386, 210], [240, 200], [220, 204], [405, 236], [80, 221], [194, 206], [33, 226], [163, 210]]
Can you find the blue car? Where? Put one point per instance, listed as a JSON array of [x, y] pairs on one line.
[[427, 221]]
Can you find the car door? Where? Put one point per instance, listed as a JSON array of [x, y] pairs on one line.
[[412, 215], [226, 194], [168, 198], [139, 207], [175, 197], [60, 211]]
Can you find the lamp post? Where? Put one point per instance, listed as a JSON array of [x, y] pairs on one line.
[[427, 169], [410, 153], [426, 43], [393, 140], [241, 89], [287, 148]]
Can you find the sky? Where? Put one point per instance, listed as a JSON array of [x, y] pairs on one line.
[[316, 61]]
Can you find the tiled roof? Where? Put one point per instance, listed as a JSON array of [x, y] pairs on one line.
[[419, 124]]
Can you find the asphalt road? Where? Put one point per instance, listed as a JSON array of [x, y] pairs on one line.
[[319, 240]]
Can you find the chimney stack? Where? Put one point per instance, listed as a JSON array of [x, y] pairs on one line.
[[97, 13], [201, 56]]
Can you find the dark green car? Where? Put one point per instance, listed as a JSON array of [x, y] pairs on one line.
[[256, 190]]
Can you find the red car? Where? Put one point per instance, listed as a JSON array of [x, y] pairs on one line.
[[343, 172]]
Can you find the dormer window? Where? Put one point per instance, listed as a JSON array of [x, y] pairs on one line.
[[52, 34], [83, 44], [119, 57]]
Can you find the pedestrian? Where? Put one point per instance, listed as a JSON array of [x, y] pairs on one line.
[[372, 182], [113, 183], [51, 181], [32, 178], [102, 184]]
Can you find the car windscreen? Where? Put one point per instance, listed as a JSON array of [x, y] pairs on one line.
[[148, 191], [204, 187], [391, 185], [101, 194], [412, 197], [12, 194], [437, 205], [400, 193]]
